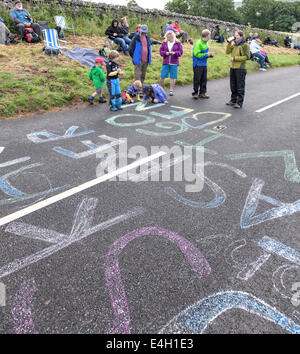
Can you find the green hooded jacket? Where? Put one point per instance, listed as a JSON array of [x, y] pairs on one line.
[[96, 74], [240, 53]]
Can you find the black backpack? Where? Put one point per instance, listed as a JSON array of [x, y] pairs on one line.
[[31, 36]]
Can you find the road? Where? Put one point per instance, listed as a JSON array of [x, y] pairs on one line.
[[146, 256]]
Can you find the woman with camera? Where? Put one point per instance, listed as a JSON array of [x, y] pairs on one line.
[[240, 52]]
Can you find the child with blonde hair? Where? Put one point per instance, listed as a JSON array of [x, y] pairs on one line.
[[132, 92]]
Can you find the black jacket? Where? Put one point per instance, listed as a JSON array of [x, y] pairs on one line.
[[112, 67], [111, 30]]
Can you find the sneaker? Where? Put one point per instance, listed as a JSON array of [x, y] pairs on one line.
[[236, 105], [230, 103], [102, 100], [195, 95], [262, 69], [171, 93], [119, 108], [203, 95], [113, 109], [91, 100]]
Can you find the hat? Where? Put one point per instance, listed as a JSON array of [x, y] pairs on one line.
[[144, 29], [99, 60], [17, 1]]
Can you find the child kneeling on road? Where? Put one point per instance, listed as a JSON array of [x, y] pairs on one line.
[[155, 92], [131, 92], [96, 74], [113, 81]]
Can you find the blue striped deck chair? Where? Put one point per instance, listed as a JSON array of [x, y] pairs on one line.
[[51, 39], [61, 22]]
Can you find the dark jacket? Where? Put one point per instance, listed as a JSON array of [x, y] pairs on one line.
[[124, 29], [135, 49], [111, 30], [111, 69]]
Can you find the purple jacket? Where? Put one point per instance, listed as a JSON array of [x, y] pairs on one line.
[[174, 58]]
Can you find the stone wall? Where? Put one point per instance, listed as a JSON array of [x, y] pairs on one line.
[[143, 15]]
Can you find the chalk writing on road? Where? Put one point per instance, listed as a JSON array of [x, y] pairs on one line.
[[22, 311], [248, 218], [93, 148], [112, 272], [81, 228], [36, 137], [197, 317], [291, 172]]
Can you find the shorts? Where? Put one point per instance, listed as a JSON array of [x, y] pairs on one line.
[[169, 69], [99, 91]]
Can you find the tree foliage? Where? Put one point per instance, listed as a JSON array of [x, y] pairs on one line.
[[266, 14]]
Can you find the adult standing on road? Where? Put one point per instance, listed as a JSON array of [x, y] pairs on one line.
[[170, 50], [200, 55], [140, 50], [240, 52]]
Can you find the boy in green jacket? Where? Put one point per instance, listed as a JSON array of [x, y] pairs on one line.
[[96, 74]]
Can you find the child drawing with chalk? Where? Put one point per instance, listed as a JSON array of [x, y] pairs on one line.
[[132, 92], [96, 74], [154, 92], [113, 81]]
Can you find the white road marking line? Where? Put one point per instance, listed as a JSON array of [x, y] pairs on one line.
[[44, 203], [277, 103]]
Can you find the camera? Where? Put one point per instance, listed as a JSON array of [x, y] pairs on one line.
[[230, 39]]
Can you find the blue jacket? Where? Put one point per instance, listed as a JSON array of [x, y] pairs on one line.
[[135, 49], [20, 16]]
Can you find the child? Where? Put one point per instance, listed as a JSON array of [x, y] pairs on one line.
[[96, 74], [155, 92], [170, 50], [113, 81], [131, 92]]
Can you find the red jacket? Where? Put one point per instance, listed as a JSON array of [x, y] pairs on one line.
[[176, 27]]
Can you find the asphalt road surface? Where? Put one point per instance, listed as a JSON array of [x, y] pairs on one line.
[[146, 256]]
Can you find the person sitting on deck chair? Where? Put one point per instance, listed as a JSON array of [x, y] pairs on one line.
[[23, 19]]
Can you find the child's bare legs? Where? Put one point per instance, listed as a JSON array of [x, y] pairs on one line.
[[172, 85]]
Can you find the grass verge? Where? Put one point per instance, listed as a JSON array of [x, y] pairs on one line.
[[31, 82]]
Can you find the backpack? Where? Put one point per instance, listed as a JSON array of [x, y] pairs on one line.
[[31, 36], [104, 52]]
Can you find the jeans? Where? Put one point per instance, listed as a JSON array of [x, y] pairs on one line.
[[122, 43], [127, 39], [261, 58]]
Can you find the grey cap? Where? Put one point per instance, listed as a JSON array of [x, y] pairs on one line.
[[144, 29]]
